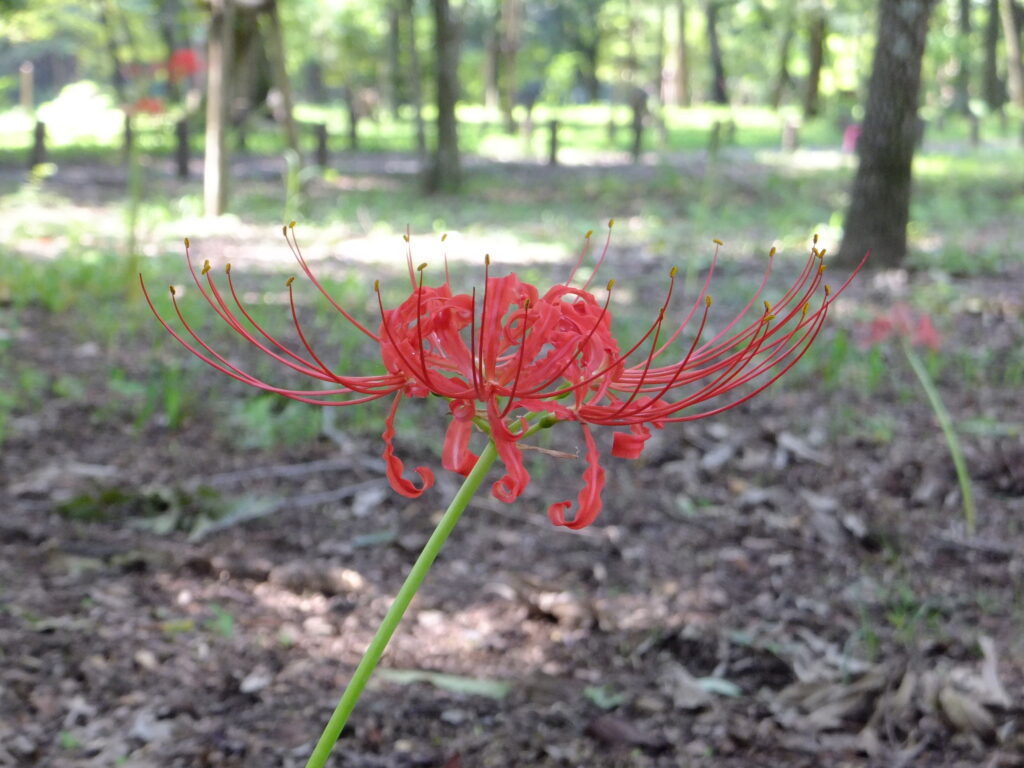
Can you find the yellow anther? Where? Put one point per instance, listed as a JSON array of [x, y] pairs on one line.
[[526, 305], [771, 253], [227, 267], [289, 281], [589, 233], [611, 284], [815, 238], [828, 289], [487, 259], [421, 267], [206, 266], [822, 252], [716, 241], [673, 272], [406, 237], [187, 243], [291, 225], [821, 269], [173, 292], [814, 251], [807, 306], [611, 223], [284, 230], [444, 237], [769, 318], [767, 307], [707, 301], [376, 286]]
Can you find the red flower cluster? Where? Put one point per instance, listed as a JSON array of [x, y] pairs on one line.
[[902, 321], [508, 356], [183, 63]]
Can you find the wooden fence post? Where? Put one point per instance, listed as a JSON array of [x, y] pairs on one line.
[[38, 154], [322, 155], [181, 148], [553, 142]]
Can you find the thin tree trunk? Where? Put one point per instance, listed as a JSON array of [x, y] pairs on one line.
[[509, 48], [992, 86], [492, 57], [962, 79], [392, 90], [783, 79], [218, 57], [168, 21], [876, 220], [117, 79], [719, 93], [275, 52], [683, 96], [446, 173], [817, 32], [415, 88], [1014, 63]]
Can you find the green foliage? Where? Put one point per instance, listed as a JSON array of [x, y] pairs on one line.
[[267, 421]]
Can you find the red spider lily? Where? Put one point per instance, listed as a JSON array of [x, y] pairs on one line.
[[183, 63], [902, 321], [508, 355]]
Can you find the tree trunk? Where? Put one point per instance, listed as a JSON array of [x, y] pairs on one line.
[[492, 56], [218, 58], [591, 83], [415, 89], [992, 86], [817, 32], [782, 77], [1014, 63], [283, 108], [393, 77], [508, 47], [719, 93], [876, 220], [962, 78], [683, 97], [168, 23], [117, 79], [446, 174]]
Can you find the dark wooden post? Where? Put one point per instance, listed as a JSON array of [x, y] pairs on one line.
[[181, 148], [38, 154], [553, 143], [129, 136], [639, 113], [320, 131]]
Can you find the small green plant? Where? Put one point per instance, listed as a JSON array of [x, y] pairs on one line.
[[918, 330]]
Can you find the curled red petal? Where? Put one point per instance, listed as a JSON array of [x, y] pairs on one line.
[[395, 466], [629, 445], [456, 456], [589, 500], [512, 484]]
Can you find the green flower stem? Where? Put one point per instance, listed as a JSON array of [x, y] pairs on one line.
[[394, 615], [946, 422]]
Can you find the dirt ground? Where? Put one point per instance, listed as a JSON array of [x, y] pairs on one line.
[[778, 586]]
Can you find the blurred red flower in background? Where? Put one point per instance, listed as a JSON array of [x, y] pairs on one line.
[[902, 321], [183, 63]]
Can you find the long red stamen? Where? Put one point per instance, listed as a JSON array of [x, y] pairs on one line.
[[293, 245], [604, 252]]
